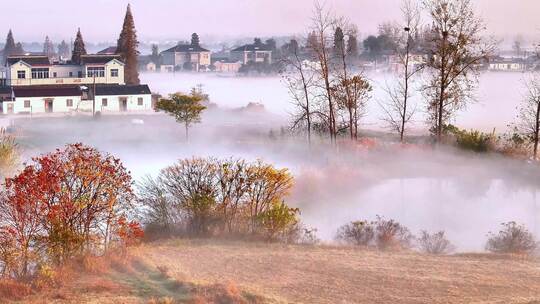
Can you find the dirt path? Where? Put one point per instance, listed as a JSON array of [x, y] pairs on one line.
[[346, 275]]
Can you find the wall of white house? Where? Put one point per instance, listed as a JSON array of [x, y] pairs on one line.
[[34, 105], [112, 103]]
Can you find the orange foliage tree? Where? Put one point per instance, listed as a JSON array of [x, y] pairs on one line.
[[65, 203]]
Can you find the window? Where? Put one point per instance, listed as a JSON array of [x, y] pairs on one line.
[[114, 72], [21, 74], [40, 73], [70, 74], [27, 103], [140, 101], [54, 75], [104, 102], [79, 74], [69, 103], [95, 72]]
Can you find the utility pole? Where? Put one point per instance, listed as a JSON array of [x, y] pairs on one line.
[[94, 96]]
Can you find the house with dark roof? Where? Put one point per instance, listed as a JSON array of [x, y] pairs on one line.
[[108, 51], [102, 98], [190, 57], [255, 52], [40, 70]]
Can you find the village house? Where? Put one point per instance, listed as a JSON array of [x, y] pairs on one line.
[[507, 64], [255, 52], [39, 70], [76, 98], [186, 57], [226, 66], [396, 63]]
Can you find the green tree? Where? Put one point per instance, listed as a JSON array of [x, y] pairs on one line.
[[127, 49], [155, 57], [78, 48], [63, 49], [339, 41], [186, 109], [48, 47], [352, 46]]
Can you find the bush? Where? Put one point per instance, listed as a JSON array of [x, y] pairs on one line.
[[512, 238], [359, 233], [435, 243], [8, 155], [471, 140], [278, 222], [391, 235]]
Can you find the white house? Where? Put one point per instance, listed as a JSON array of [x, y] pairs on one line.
[[186, 57], [38, 70], [256, 52], [43, 99], [507, 64], [124, 98]]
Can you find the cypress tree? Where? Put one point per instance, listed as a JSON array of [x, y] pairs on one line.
[[63, 49], [195, 39], [48, 47], [352, 46], [127, 49], [339, 41], [10, 48], [78, 48]]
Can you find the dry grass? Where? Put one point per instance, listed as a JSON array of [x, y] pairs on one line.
[[211, 271], [348, 275]]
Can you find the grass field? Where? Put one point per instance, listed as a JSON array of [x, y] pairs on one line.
[[209, 271]]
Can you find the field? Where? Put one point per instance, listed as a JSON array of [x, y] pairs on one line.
[[238, 272]]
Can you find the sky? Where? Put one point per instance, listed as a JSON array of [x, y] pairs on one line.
[[100, 20]]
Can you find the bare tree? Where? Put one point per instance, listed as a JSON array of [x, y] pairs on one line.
[[397, 111], [457, 50], [299, 79], [529, 113], [351, 95], [321, 47]]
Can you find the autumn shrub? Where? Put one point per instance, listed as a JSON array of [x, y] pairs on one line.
[[359, 233], [512, 238], [471, 140], [390, 234], [212, 197], [64, 204], [435, 243]]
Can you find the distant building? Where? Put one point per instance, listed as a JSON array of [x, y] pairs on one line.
[[508, 64], [39, 70], [108, 51], [227, 66], [113, 98], [256, 52], [396, 64], [186, 57]]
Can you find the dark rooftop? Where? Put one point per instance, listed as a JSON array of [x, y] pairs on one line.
[[46, 91], [102, 90], [98, 59], [108, 51], [186, 48], [252, 47], [31, 60]]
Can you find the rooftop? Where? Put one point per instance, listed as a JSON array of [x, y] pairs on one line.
[[252, 47], [29, 59], [102, 90], [98, 58], [47, 91], [186, 48], [108, 51]]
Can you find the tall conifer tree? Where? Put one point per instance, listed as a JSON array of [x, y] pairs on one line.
[[78, 48], [10, 48], [127, 49]]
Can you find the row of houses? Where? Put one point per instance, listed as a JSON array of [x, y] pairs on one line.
[[33, 84], [193, 57]]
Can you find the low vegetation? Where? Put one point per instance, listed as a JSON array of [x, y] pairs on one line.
[[435, 243], [8, 154], [512, 238]]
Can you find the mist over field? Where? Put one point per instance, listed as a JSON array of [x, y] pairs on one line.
[[495, 104], [465, 194]]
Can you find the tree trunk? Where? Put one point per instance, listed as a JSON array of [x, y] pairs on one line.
[[536, 131], [405, 94], [187, 132]]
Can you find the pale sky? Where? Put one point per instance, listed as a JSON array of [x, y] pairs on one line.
[[100, 20]]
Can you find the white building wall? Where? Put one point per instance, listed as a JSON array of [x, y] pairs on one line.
[[114, 102], [37, 104]]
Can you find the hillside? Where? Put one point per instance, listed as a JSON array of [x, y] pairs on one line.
[[203, 271]]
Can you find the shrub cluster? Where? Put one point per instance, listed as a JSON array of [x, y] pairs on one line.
[[382, 233], [512, 238], [66, 203], [207, 196]]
